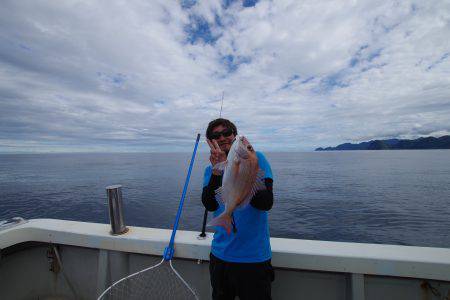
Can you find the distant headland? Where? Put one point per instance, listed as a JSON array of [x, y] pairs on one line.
[[442, 142]]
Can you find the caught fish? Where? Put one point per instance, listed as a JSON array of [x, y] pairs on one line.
[[242, 178]]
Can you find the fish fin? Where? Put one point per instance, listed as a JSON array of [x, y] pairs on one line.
[[244, 203], [224, 220], [219, 195], [258, 185], [220, 166]]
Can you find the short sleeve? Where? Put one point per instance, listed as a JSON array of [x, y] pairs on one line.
[[264, 165], [207, 175]]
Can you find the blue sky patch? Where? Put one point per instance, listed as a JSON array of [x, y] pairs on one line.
[[331, 82], [245, 3], [360, 56], [290, 81], [198, 30], [357, 57], [374, 55], [296, 78], [249, 3], [118, 78], [307, 80], [186, 4], [232, 62], [354, 61], [375, 66]]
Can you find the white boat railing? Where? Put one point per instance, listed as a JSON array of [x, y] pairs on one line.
[[356, 258]]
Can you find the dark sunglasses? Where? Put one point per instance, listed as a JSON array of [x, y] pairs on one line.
[[226, 133]]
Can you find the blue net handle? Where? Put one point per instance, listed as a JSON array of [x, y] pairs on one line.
[[168, 251]]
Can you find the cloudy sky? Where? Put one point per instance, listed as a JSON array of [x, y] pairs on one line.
[[148, 75]]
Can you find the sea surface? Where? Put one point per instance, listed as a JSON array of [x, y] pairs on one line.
[[390, 197]]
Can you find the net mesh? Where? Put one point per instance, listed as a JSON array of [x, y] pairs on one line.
[[161, 281]]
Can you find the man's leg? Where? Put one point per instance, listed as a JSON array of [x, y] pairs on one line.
[[219, 271], [253, 280]]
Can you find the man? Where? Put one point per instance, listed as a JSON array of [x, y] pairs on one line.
[[240, 261]]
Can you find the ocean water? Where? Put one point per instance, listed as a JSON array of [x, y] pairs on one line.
[[389, 197]]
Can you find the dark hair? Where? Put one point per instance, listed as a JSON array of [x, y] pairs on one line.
[[217, 122]]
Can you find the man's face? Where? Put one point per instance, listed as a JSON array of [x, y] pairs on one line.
[[224, 141]]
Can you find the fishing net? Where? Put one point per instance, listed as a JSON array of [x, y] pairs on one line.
[[160, 281]]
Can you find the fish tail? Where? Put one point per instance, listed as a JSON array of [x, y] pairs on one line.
[[223, 220]]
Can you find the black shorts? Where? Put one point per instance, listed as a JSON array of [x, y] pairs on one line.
[[246, 280]]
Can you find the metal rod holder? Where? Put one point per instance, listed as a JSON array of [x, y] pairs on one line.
[[202, 235], [114, 193]]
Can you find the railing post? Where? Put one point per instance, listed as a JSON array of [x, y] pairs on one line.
[[357, 286], [114, 193]]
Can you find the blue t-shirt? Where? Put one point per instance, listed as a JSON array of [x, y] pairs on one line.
[[251, 242]]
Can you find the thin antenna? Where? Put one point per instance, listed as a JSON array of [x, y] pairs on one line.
[[221, 105]]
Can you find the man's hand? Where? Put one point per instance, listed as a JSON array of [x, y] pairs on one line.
[[217, 155]]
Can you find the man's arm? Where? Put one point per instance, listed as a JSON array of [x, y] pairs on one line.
[[208, 194], [263, 200]]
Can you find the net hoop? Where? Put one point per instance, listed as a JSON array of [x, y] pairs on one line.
[[105, 292]]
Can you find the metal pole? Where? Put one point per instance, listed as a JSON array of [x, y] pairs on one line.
[[202, 235], [114, 193]]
